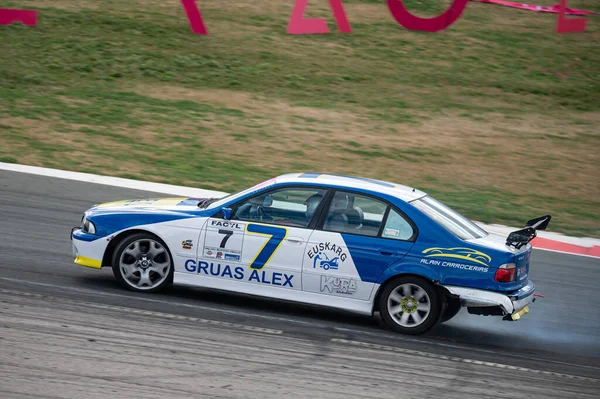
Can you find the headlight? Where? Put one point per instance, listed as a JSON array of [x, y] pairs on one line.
[[87, 226]]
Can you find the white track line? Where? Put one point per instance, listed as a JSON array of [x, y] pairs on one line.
[[112, 181], [564, 252], [202, 193]]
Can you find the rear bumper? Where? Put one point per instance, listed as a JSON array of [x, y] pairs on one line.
[[513, 304]]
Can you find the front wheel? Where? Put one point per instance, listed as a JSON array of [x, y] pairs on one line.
[[410, 305], [141, 262]]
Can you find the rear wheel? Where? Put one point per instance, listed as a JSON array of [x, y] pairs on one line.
[[410, 305], [141, 262]]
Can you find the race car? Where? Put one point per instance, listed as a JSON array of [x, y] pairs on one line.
[[346, 242]]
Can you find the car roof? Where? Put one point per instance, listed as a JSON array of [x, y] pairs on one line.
[[403, 192]]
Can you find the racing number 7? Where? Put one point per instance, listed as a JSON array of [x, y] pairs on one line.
[[228, 233], [276, 236]]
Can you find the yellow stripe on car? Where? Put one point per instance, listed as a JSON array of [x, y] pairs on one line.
[[88, 262]]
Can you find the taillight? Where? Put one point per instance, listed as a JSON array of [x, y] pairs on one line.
[[506, 273]]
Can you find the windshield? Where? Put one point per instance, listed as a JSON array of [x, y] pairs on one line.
[[221, 201], [449, 218]]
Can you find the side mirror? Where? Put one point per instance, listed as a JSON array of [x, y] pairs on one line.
[[226, 213]]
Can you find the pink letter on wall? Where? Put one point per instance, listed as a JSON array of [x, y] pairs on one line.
[[564, 25], [194, 16], [299, 25], [9, 16], [412, 22]]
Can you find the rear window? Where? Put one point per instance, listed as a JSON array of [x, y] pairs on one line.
[[449, 218]]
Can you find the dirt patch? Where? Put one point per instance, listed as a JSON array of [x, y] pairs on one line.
[[246, 102], [73, 102], [320, 138], [495, 150]]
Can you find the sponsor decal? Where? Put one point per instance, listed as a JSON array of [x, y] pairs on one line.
[[135, 202], [454, 265], [264, 184], [325, 263], [222, 238], [187, 244], [239, 273], [338, 285], [227, 224], [232, 257], [210, 253], [468, 254], [220, 253], [522, 270], [318, 253], [526, 289], [391, 232]]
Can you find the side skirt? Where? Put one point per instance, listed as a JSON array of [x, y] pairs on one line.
[[351, 305]]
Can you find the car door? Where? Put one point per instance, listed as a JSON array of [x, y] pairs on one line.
[[265, 239], [358, 237]]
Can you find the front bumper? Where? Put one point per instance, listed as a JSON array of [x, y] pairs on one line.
[[84, 252], [514, 304]]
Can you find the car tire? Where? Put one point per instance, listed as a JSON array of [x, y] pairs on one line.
[[410, 305], [142, 262], [451, 308]]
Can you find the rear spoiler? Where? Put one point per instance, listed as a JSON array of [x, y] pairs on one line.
[[522, 237]]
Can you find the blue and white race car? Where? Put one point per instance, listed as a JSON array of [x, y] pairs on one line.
[[345, 242]]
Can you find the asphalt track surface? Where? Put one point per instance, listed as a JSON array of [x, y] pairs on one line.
[[72, 332]]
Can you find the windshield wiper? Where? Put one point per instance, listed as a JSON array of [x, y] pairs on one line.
[[203, 204]]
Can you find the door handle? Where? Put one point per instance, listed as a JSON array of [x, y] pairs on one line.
[[388, 253], [295, 240]]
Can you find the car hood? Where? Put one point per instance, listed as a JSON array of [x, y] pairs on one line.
[[151, 204]]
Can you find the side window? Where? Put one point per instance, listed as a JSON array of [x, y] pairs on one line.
[[397, 227], [287, 206], [355, 213]]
